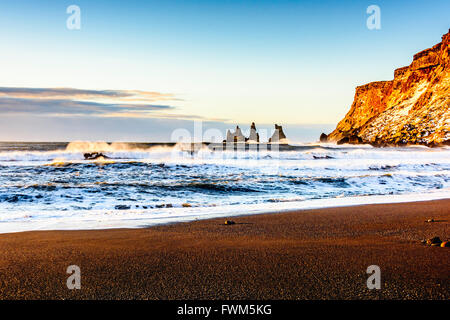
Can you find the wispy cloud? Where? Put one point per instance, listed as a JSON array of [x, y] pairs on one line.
[[82, 94], [69, 102], [48, 107]]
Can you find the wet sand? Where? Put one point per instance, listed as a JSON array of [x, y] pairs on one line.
[[308, 254]]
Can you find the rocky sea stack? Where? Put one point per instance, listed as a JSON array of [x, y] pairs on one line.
[[414, 108], [278, 135]]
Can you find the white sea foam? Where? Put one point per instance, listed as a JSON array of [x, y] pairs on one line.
[[52, 187], [79, 220]]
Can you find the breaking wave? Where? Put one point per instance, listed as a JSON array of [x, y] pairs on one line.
[[51, 184]]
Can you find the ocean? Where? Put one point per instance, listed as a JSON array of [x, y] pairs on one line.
[[50, 186]]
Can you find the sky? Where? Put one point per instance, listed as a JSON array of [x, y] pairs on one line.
[[138, 70]]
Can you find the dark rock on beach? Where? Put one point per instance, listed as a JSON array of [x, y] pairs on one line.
[[434, 241], [94, 156], [122, 207], [350, 140]]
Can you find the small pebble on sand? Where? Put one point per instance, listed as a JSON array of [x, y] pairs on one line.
[[436, 241]]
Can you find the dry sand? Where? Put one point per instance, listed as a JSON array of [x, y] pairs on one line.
[[310, 254]]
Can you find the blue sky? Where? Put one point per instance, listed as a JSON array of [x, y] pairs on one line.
[[295, 63]]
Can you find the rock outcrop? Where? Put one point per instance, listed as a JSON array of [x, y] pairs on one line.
[[278, 136], [254, 136], [94, 156], [413, 108], [235, 136]]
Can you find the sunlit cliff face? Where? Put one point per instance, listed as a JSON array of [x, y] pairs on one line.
[[412, 108]]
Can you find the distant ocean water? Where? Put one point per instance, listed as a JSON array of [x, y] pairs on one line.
[[50, 185]]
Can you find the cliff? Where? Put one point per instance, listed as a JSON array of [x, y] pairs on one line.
[[413, 108]]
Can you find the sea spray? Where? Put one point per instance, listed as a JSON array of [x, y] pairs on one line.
[[53, 186]]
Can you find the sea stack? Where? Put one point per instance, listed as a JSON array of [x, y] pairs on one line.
[[413, 108], [236, 136], [278, 135], [254, 135], [323, 137]]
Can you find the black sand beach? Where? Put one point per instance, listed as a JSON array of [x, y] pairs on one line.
[[310, 254]]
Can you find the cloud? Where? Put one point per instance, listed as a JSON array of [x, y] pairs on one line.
[[69, 102], [48, 107], [82, 94]]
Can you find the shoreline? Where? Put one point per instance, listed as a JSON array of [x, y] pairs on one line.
[[164, 217], [306, 254]]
